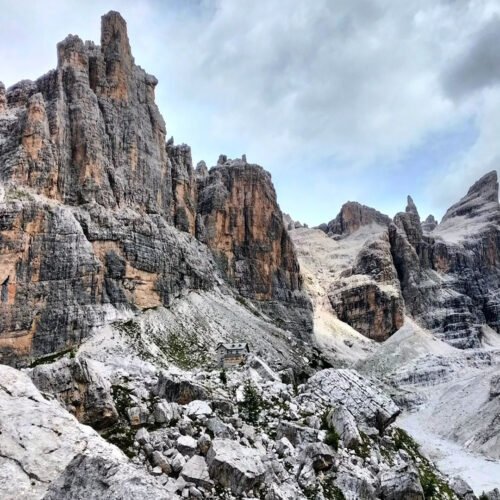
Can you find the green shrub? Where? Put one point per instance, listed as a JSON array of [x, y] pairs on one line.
[[332, 439], [223, 376], [252, 402]]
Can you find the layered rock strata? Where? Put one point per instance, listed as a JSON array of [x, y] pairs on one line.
[[99, 214], [445, 276], [240, 220]]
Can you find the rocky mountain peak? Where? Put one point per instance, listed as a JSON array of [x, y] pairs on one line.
[[115, 200], [352, 216], [481, 200], [429, 224], [486, 186], [411, 207]]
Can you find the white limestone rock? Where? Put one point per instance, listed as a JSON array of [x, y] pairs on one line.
[[198, 408], [196, 471], [186, 445], [341, 419], [401, 482], [45, 451], [234, 466], [369, 406]]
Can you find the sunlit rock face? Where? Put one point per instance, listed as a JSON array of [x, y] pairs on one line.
[[98, 213], [240, 220]]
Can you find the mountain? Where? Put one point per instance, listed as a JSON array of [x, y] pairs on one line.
[[127, 274], [95, 199], [446, 277]]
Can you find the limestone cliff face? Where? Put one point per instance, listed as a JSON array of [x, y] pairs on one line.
[[445, 275], [450, 276], [368, 297], [352, 216], [240, 220], [98, 213]]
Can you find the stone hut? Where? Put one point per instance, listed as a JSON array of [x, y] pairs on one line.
[[232, 354]]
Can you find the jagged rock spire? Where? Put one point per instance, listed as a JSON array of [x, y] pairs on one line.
[[411, 208], [429, 224], [480, 199]]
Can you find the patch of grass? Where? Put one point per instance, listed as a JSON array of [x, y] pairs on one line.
[[122, 399], [122, 436], [434, 486], [50, 358], [311, 492], [363, 449], [331, 491], [332, 439], [184, 349]]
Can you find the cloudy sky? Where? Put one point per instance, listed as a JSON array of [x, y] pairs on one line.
[[366, 100]]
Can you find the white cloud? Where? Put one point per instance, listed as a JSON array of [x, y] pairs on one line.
[[306, 88]]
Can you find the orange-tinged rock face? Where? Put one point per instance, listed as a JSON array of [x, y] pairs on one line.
[[247, 232], [241, 222]]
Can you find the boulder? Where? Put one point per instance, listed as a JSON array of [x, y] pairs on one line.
[[198, 408], [165, 413], [495, 386], [46, 452], [341, 419], [401, 482], [80, 386], [234, 466], [178, 390], [159, 460], [94, 477], [295, 433], [369, 406], [321, 456], [462, 489], [196, 471], [138, 415], [186, 445], [218, 428]]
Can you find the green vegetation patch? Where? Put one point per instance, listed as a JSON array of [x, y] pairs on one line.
[[252, 403], [45, 360], [434, 486], [121, 434]]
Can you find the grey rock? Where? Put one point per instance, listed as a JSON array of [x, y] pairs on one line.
[[196, 471], [94, 477], [159, 460], [234, 466], [165, 413], [295, 433], [186, 445], [320, 455], [369, 406], [401, 482], [79, 386], [495, 386], [342, 420], [179, 390], [462, 489]]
